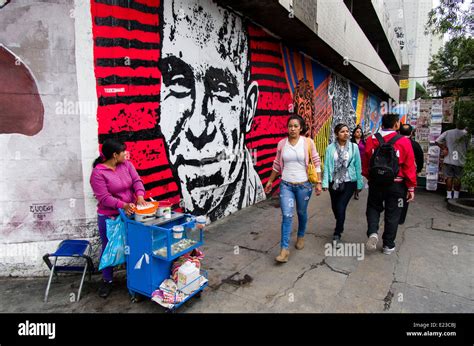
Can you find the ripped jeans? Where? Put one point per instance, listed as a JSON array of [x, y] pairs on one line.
[[289, 195]]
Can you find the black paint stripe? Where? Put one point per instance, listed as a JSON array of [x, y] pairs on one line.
[[158, 183], [264, 39], [267, 64], [273, 135], [266, 146], [266, 52], [149, 171], [265, 175], [114, 79], [264, 157], [122, 62], [124, 43], [129, 4], [133, 136], [126, 24], [166, 195], [271, 77], [265, 166], [272, 112], [113, 100], [270, 89]]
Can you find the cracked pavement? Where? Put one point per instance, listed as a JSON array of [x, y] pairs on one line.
[[431, 270]]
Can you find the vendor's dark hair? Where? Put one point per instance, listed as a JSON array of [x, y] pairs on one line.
[[109, 147], [300, 120], [339, 127], [361, 134]]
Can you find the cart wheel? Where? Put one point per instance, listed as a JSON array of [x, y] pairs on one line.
[[135, 297], [170, 311], [198, 295]]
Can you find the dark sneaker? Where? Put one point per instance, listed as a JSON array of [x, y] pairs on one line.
[[105, 289], [336, 240]]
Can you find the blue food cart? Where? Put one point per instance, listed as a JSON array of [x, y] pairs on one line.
[[151, 249]]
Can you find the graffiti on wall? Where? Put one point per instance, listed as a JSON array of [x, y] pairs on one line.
[[342, 108], [21, 108], [373, 115], [201, 98], [315, 108]]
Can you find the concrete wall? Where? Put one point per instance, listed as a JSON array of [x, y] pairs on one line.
[[339, 29], [200, 96], [42, 197]]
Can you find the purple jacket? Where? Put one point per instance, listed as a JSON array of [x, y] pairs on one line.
[[278, 164], [361, 148], [115, 188]]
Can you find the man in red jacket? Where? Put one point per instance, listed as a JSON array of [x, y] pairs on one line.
[[390, 197]]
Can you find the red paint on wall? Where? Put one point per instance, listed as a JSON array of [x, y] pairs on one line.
[[21, 108]]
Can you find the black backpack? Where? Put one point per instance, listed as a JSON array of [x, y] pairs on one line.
[[384, 162]]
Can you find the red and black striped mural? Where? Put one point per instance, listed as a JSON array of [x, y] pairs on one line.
[[127, 47], [275, 100], [173, 76]]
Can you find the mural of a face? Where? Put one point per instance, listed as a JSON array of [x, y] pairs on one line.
[[207, 102]]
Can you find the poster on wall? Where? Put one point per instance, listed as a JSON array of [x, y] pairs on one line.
[[422, 134], [413, 112], [432, 167], [437, 111], [425, 113], [435, 132], [448, 109]]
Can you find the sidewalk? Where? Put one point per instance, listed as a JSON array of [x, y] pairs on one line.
[[431, 270]]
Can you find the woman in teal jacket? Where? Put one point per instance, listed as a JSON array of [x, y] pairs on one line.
[[342, 175]]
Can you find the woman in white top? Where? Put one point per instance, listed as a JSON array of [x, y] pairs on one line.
[[291, 161]]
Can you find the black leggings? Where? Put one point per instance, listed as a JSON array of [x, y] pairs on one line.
[[339, 202]]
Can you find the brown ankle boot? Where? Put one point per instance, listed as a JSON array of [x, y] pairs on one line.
[[283, 256], [299, 243]]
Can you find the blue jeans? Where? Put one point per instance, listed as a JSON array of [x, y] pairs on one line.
[[289, 194]]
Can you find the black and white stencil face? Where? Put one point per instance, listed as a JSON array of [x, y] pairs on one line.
[[207, 103]]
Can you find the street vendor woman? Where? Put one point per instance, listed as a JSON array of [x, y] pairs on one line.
[[116, 184]]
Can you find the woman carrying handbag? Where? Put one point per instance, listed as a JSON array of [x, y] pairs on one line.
[[297, 160], [342, 176]]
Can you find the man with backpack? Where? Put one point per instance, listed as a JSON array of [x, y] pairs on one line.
[[389, 165]]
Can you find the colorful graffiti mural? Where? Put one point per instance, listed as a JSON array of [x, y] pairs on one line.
[[202, 97]]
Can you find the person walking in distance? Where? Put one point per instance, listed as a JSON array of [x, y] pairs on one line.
[[342, 176], [407, 131], [358, 138], [389, 165], [293, 156], [454, 144]]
